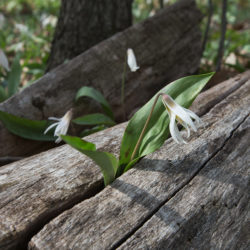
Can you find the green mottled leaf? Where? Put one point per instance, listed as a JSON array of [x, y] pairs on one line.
[[97, 96], [94, 119], [106, 161], [26, 128], [3, 95], [184, 91]]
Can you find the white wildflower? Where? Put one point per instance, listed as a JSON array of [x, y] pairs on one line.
[[131, 60], [4, 61], [62, 125], [182, 115]]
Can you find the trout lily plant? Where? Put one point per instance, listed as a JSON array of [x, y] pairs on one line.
[[149, 127], [146, 131]]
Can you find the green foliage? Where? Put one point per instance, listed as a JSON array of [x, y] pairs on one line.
[[99, 119], [92, 130], [94, 119], [97, 96], [27, 29], [26, 128], [106, 161], [3, 94], [13, 79], [184, 92], [237, 35]]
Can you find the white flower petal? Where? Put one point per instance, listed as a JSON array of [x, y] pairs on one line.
[[50, 127], [174, 130], [59, 139], [131, 60], [183, 115], [54, 119], [62, 125], [187, 128], [194, 116]]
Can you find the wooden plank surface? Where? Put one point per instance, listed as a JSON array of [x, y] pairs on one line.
[[36, 189], [71, 172], [212, 210], [166, 46], [112, 216]]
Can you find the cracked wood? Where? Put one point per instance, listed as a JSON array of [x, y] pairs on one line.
[[212, 210], [36, 189], [122, 209]]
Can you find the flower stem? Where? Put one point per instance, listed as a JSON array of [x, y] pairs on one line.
[[144, 128], [123, 87]]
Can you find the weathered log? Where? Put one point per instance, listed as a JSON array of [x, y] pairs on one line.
[[37, 189], [167, 47], [212, 210], [178, 197]]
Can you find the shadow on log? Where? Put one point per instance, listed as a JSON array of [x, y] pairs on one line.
[[155, 204], [167, 47]]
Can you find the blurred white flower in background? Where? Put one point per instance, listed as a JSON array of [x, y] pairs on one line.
[[4, 61], [62, 125], [2, 20], [182, 115], [47, 20], [131, 60]]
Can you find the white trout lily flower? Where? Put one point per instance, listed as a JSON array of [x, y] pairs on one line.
[[131, 60], [62, 125], [4, 61], [182, 115]]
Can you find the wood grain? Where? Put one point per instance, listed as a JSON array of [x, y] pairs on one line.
[[211, 211], [118, 212], [36, 189]]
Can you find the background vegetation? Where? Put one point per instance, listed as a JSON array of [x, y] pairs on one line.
[[27, 28]]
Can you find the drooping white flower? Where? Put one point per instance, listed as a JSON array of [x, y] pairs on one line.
[[4, 61], [131, 60], [62, 125], [182, 115]]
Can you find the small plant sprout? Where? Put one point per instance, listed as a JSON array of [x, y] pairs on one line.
[[62, 125], [182, 115], [4, 61], [131, 60]]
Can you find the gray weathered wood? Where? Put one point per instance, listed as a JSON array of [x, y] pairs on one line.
[[33, 190], [212, 210], [207, 99], [166, 46], [112, 216], [36, 189]]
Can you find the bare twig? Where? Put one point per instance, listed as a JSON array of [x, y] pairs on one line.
[[209, 18], [223, 33]]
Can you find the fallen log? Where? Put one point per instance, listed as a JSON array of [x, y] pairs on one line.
[[190, 196], [167, 47], [35, 190]]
